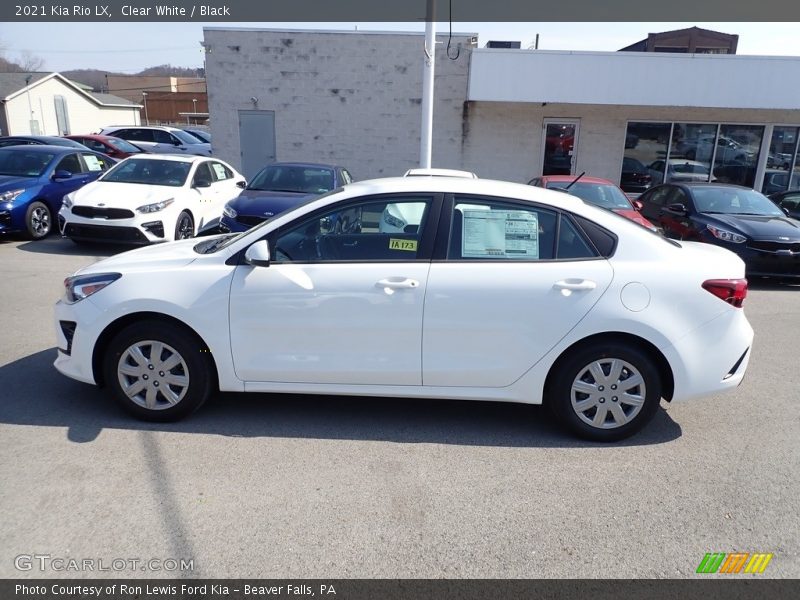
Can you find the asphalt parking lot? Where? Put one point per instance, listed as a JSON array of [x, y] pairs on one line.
[[295, 486]]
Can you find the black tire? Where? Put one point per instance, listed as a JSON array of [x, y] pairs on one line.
[[38, 220], [574, 369], [194, 363], [184, 226]]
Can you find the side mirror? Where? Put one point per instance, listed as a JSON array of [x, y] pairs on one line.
[[786, 210], [241, 184], [637, 204], [62, 174], [257, 254], [176, 142], [676, 209]]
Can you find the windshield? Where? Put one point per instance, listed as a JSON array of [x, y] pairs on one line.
[[122, 145], [170, 173], [186, 138], [203, 136], [607, 196], [21, 163], [734, 201], [295, 178]]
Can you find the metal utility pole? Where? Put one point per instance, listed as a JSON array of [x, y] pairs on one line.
[[144, 99], [426, 136]]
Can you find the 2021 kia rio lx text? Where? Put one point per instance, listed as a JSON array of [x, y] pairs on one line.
[[490, 291]]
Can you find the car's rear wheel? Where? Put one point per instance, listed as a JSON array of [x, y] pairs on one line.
[[184, 226], [38, 220], [158, 371], [606, 392]]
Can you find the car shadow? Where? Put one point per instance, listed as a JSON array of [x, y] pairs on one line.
[[57, 245], [34, 393]]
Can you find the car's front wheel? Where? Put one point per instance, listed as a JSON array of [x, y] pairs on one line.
[[605, 392], [38, 220], [158, 371], [184, 226]]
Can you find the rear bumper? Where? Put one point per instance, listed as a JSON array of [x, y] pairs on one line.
[[713, 358]]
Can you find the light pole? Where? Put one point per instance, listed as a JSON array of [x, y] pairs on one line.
[[194, 109], [144, 99], [426, 136]]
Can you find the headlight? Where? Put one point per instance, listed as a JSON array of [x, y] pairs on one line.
[[9, 196], [156, 206], [82, 286], [726, 236], [229, 212], [67, 202]]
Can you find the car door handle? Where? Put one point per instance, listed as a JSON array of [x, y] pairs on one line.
[[397, 284], [575, 285]]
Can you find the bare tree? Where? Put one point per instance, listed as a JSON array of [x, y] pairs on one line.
[[29, 62]]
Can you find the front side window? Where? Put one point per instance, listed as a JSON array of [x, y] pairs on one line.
[[495, 230], [220, 172], [372, 230], [94, 162], [70, 163]]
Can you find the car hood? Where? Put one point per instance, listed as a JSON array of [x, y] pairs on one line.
[[635, 216], [170, 255], [127, 195], [259, 202], [10, 182], [759, 227]]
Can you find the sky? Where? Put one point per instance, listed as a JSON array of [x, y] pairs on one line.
[[131, 47]]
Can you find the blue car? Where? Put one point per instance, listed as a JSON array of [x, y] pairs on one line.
[[278, 187], [34, 180]]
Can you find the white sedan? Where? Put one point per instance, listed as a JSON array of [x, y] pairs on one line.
[[151, 198], [504, 292]]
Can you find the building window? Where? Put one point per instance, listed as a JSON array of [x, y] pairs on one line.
[[700, 152]]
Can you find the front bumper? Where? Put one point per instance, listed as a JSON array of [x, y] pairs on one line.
[[141, 229], [75, 351]]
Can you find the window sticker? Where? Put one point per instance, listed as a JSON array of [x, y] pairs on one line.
[[219, 171], [92, 163], [500, 234], [409, 245]]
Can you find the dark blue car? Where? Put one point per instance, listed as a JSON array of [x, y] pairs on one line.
[[34, 180], [278, 187]]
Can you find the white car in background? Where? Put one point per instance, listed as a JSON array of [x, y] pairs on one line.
[[503, 292], [151, 198]]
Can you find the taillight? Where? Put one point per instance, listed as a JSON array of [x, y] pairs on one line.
[[732, 291]]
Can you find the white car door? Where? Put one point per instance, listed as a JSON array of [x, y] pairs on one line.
[[501, 301], [336, 304], [206, 198]]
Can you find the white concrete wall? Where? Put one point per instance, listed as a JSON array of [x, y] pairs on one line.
[[84, 115], [349, 98], [504, 140], [635, 78]]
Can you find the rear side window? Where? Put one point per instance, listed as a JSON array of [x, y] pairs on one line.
[[603, 240]]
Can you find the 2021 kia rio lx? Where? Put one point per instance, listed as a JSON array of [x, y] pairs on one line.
[[489, 291]]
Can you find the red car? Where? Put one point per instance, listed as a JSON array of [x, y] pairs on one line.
[[113, 147], [597, 191]]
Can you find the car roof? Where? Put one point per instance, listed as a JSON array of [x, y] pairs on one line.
[[173, 157], [570, 178], [302, 164], [159, 127], [472, 187], [429, 172], [46, 148], [709, 184]]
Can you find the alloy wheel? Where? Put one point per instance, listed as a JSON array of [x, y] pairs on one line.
[[40, 222], [608, 393], [153, 375]]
